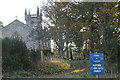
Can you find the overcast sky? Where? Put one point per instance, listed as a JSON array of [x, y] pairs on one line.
[[9, 9]]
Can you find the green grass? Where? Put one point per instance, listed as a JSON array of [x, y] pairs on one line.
[[88, 75], [108, 67], [82, 75], [22, 74], [68, 61], [87, 62], [78, 66]]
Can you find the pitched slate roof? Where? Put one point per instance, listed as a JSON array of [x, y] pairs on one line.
[[19, 23]]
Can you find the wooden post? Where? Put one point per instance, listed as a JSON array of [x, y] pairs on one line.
[[42, 59], [111, 73]]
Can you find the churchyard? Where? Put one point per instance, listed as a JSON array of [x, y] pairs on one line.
[[62, 48]]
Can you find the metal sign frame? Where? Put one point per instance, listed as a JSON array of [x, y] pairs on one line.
[[96, 63]]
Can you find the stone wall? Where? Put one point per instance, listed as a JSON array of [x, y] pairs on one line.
[[23, 30]]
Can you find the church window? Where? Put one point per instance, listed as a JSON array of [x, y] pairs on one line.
[[16, 35]]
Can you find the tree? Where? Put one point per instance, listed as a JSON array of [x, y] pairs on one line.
[[84, 22], [58, 32]]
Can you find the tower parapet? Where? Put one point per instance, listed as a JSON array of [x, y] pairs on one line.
[[33, 20], [25, 14], [37, 11]]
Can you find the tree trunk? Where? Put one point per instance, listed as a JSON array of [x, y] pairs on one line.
[[86, 45], [67, 53], [61, 53], [71, 56]]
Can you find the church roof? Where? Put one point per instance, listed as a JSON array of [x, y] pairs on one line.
[[15, 21]]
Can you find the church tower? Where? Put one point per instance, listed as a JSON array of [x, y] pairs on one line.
[[25, 14], [37, 11], [38, 34], [33, 20]]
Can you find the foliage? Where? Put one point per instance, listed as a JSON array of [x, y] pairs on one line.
[[15, 55], [47, 52], [51, 67], [84, 75], [40, 69], [75, 71], [94, 24], [34, 55], [68, 61], [87, 62], [6, 44], [64, 65], [78, 65], [87, 76], [110, 44], [22, 74], [58, 32]]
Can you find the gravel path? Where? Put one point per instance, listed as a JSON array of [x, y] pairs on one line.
[[74, 64]]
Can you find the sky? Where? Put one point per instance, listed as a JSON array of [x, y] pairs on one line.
[[12, 9]]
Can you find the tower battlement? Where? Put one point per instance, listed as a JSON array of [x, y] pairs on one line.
[[33, 20]]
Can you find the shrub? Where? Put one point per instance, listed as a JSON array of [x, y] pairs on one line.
[[35, 55], [78, 65], [14, 55], [6, 43], [48, 68], [47, 52], [68, 61], [87, 62]]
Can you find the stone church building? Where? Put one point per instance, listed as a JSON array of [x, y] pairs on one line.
[[32, 33]]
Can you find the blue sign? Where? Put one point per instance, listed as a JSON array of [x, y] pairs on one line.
[[96, 63]]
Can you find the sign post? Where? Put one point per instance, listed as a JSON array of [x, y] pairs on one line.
[[96, 64], [96, 76]]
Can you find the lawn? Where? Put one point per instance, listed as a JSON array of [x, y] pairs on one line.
[[85, 74], [87, 62]]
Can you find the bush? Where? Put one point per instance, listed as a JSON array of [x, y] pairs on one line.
[[6, 43], [47, 52], [35, 55], [78, 65], [69, 62], [51, 67], [87, 62], [48, 68], [14, 55]]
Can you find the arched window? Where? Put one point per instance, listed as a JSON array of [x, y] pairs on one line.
[[16, 35]]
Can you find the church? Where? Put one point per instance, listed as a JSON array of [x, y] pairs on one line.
[[32, 33]]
